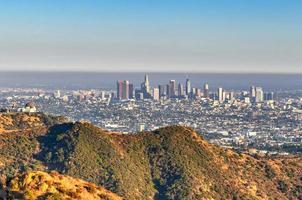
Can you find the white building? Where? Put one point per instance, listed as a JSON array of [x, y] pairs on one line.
[[28, 108]]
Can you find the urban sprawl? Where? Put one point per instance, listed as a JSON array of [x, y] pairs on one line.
[[254, 120]]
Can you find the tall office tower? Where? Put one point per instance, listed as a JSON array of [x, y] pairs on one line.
[[172, 88], [156, 94], [119, 90], [162, 90], [125, 93], [145, 87], [252, 93], [259, 95], [221, 97], [168, 90], [147, 84], [131, 91], [206, 92], [180, 90], [188, 87], [224, 95]]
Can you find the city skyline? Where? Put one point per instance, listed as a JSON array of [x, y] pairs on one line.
[[158, 36], [177, 90]]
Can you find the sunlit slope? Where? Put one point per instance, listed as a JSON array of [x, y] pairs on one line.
[[42, 185]]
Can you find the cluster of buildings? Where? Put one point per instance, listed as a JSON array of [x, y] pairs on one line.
[[174, 90]]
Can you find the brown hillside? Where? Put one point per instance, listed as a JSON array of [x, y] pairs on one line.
[[42, 185]]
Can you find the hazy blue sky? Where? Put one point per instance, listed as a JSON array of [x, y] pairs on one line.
[[151, 35]]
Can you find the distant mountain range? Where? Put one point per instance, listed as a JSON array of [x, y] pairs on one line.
[[45, 157]]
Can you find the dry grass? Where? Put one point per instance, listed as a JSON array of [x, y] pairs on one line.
[[34, 185]]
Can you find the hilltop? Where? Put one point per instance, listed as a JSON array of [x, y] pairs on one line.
[[169, 163], [14, 122]]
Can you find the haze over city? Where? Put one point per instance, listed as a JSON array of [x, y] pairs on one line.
[[151, 99], [147, 36]]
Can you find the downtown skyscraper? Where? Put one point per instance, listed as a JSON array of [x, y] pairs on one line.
[[145, 88], [206, 92], [188, 87], [172, 88], [123, 90]]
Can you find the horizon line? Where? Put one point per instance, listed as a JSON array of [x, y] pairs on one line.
[[149, 72]]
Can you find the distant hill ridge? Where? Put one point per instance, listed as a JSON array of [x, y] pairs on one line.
[[169, 163]]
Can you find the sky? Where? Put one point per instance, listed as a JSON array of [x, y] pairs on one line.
[[236, 36]]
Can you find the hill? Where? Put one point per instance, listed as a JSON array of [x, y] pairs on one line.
[[51, 186], [170, 163], [13, 122]]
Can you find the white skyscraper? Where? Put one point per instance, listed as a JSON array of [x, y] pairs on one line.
[[206, 92], [221, 95], [147, 84], [156, 94], [252, 93], [180, 90], [259, 95]]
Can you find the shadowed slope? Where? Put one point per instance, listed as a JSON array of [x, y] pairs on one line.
[[169, 163]]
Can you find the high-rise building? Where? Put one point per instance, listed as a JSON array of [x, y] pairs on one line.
[[172, 88], [221, 96], [122, 92], [206, 92], [156, 94], [168, 90], [119, 90], [147, 83], [252, 93], [180, 90], [131, 91], [125, 93], [188, 87], [145, 87], [162, 90], [259, 95]]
